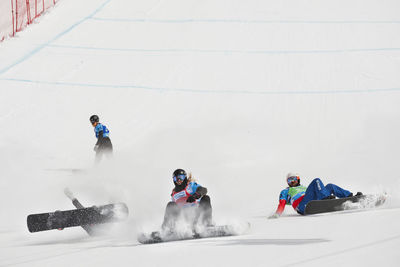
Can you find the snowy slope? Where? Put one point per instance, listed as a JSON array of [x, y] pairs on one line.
[[239, 93]]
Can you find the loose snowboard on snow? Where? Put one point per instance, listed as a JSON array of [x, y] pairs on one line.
[[339, 204], [85, 217], [207, 232], [77, 217]]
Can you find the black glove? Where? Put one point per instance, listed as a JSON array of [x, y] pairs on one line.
[[190, 199], [193, 198]]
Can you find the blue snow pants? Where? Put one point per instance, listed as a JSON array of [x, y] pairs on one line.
[[316, 190]]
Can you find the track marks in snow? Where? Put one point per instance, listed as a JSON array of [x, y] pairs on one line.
[[343, 251]]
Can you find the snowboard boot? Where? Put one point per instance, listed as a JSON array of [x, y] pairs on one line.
[[359, 194], [329, 197], [156, 236]]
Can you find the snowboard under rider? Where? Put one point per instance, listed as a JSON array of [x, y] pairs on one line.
[[298, 195], [187, 195], [103, 145]]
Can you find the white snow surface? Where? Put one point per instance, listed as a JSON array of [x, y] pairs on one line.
[[237, 92]]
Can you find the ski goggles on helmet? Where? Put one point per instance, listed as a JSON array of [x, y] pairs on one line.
[[179, 177], [292, 179]]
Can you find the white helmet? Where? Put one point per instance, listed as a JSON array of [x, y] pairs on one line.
[[292, 175]]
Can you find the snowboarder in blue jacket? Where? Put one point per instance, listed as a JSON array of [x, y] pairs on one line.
[[103, 145]]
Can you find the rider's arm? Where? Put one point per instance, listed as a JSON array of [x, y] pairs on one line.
[[200, 191], [282, 202], [281, 206], [99, 130], [196, 191]]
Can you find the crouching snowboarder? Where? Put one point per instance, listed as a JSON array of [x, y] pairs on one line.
[[299, 196], [188, 215], [189, 199]]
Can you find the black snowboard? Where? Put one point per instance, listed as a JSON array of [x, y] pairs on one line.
[[77, 217], [330, 205], [208, 232]]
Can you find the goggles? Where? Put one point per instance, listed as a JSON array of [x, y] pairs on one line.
[[292, 179], [179, 177]]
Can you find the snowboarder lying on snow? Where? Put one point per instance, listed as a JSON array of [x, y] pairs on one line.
[[298, 195], [187, 196], [103, 144]]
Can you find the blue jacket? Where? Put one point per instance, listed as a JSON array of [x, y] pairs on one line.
[[101, 128]]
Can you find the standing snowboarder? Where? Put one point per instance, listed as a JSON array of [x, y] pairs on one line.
[[188, 197], [103, 144], [298, 195]]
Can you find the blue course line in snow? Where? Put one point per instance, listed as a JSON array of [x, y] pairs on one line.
[[336, 253], [41, 46], [246, 21], [228, 51], [207, 91]]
